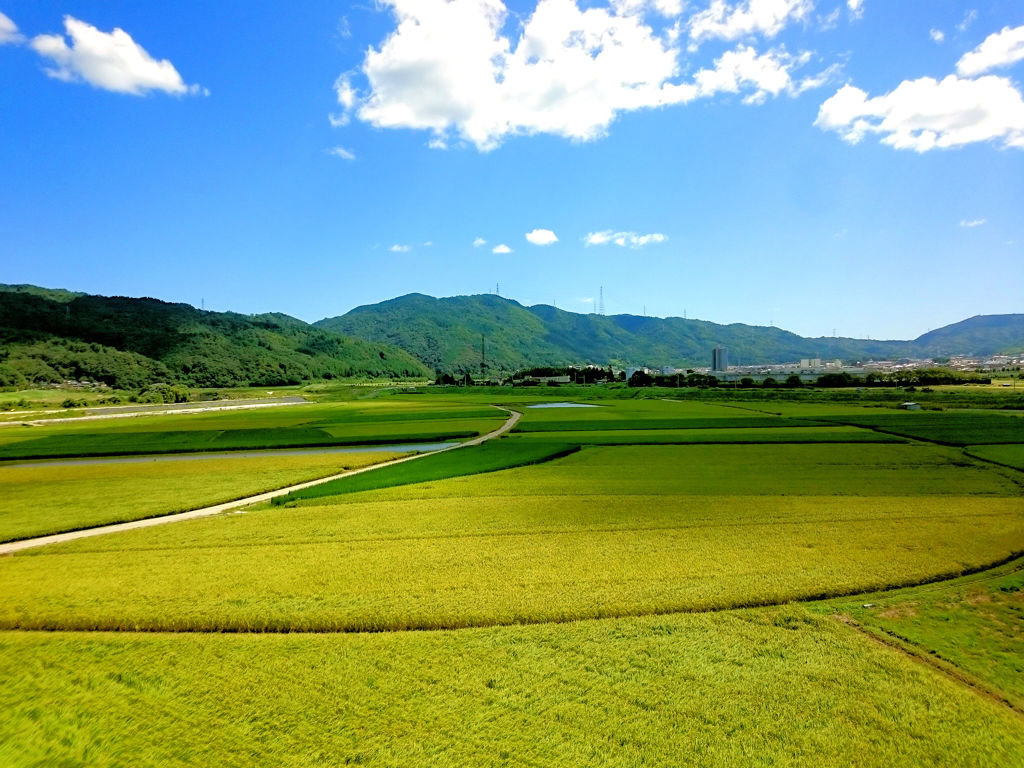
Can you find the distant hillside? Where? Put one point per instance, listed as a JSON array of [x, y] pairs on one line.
[[983, 334], [445, 334], [52, 335]]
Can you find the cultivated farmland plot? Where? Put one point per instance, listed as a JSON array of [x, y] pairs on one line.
[[642, 582]]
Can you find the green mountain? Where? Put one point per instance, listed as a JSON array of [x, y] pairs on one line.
[[52, 335], [983, 334], [445, 334]]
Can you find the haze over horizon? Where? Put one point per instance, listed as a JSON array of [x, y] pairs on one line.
[[849, 165]]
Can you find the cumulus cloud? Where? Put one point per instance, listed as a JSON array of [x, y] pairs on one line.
[[856, 8], [396, 248], [1000, 49], [9, 33], [927, 114], [971, 223], [727, 21], [759, 75], [112, 61], [341, 152], [541, 237], [478, 242], [623, 239], [501, 248], [451, 69], [937, 35]]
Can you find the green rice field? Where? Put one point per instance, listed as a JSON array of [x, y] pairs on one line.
[[373, 422], [645, 582]]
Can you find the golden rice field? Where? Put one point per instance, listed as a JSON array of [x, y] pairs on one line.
[[42, 498], [603, 532], [769, 687]]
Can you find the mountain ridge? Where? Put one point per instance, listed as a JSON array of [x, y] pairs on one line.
[[445, 334]]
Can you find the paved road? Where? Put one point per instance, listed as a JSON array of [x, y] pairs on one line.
[[17, 546]]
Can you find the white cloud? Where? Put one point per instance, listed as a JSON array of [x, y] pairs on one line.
[[341, 152], [667, 8], [929, 114], [450, 68], [501, 248], [478, 242], [971, 223], [856, 8], [400, 248], [111, 61], [347, 96], [623, 239], [1000, 49], [969, 18], [937, 35], [752, 17], [831, 21], [761, 75], [541, 237], [9, 33]]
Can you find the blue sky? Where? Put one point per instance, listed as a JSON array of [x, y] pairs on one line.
[[815, 164]]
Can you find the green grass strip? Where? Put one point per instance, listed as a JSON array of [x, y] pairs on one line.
[[491, 456], [579, 425], [143, 444]]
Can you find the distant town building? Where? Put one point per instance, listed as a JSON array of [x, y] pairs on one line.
[[720, 359], [810, 362]]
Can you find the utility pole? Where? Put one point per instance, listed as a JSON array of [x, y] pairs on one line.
[[483, 358]]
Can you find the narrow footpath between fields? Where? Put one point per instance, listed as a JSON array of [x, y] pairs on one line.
[[16, 546]]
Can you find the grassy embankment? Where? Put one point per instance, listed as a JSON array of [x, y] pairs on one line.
[[969, 627]]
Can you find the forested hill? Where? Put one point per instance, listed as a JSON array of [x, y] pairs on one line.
[[52, 335], [445, 334], [984, 334]]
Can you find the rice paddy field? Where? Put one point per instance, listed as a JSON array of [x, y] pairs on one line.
[[367, 422], [41, 498], [638, 582]]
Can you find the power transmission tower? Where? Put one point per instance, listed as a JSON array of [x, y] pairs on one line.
[[600, 303]]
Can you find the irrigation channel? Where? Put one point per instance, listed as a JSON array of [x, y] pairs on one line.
[[16, 546]]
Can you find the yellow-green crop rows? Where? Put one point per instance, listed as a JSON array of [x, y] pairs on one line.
[[40, 498]]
